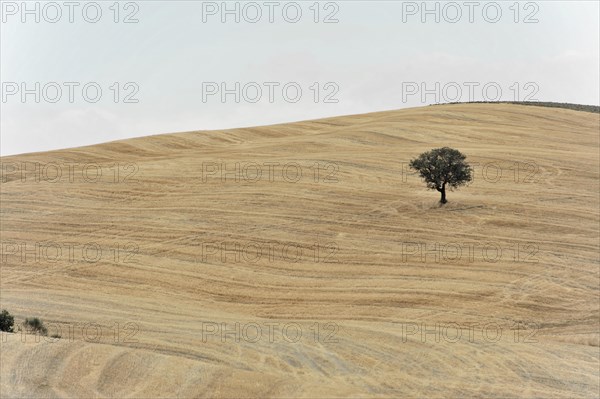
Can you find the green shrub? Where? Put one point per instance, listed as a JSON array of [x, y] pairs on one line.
[[6, 321], [35, 325]]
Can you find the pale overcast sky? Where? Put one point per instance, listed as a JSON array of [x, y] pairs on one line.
[[346, 57]]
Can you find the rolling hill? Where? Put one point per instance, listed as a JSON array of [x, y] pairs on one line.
[[306, 260]]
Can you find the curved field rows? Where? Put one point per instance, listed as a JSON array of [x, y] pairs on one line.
[[316, 266]]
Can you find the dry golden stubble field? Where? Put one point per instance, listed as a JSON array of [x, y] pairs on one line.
[[316, 265]]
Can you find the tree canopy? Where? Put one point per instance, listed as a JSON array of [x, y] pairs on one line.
[[443, 167]]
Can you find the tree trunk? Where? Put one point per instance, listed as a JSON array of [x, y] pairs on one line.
[[443, 191]]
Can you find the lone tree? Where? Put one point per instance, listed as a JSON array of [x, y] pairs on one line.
[[442, 166]]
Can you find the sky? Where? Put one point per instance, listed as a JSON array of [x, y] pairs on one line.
[[80, 73]]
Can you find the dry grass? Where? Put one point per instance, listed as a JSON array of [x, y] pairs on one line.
[[361, 290]]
